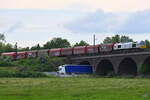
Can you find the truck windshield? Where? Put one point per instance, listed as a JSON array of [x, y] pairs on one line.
[[60, 68]]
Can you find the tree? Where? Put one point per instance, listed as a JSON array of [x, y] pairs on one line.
[[125, 39], [4, 47], [81, 43], [2, 37], [117, 39], [24, 49], [36, 47], [107, 40], [57, 43], [1, 47], [8, 48], [147, 44]]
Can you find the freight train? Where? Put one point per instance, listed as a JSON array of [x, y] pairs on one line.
[[80, 50]]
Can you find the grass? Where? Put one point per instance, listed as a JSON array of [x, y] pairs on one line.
[[9, 69], [74, 89]]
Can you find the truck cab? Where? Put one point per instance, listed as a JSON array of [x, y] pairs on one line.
[[61, 70]]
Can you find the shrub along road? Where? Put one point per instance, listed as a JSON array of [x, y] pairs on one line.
[[86, 88]]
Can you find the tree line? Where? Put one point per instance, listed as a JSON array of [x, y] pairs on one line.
[[54, 43], [117, 39], [3, 46], [64, 43]]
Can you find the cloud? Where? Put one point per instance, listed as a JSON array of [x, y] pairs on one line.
[[35, 24], [138, 22], [15, 26], [98, 22], [101, 22], [38, 25], [106, 5]]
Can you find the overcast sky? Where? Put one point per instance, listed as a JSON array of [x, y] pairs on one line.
[[29, 22]]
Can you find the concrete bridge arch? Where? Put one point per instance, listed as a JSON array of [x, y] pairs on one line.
[[127, 67], [104, 67], [146, 65]]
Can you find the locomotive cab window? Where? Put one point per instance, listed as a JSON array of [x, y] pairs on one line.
[[142, 43], [133, 45], [119, 46]]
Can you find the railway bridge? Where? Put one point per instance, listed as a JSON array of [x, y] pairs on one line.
[[120, 64]]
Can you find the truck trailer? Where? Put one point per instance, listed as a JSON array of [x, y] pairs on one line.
[[76, 69]]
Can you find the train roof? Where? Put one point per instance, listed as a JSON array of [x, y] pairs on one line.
[[8, 53]]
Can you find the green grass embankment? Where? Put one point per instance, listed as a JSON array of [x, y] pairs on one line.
[[74, 89]]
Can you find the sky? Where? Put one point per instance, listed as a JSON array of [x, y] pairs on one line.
[[29, 22]]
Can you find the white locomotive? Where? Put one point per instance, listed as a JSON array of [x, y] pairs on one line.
[[129, 45]]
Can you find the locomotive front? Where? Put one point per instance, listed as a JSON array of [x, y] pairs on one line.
[[142, 45]]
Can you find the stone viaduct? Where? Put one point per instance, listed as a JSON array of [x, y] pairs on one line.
[[121, 64]]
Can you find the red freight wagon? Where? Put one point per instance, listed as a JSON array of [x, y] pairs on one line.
[[79, 50], [92, 49], [21, 55], [106, 47], [33, 53], [66, 51], [43, 52], [12, 55], [55, 52]]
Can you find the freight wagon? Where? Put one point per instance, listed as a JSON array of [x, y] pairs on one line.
[[15, 56], [55, 52], [33, 53]]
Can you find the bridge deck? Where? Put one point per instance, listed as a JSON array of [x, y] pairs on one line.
[[109, 55]]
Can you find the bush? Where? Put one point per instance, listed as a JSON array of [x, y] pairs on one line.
[[5, 74], [142, 69], [126, 76], [111, 74], [21, 74], [29, 74], [5, 61], [34, 64]]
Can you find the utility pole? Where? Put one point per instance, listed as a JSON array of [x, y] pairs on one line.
[[42, 62], [94, 42], [94, 39], [41, 58], [15, 50]]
